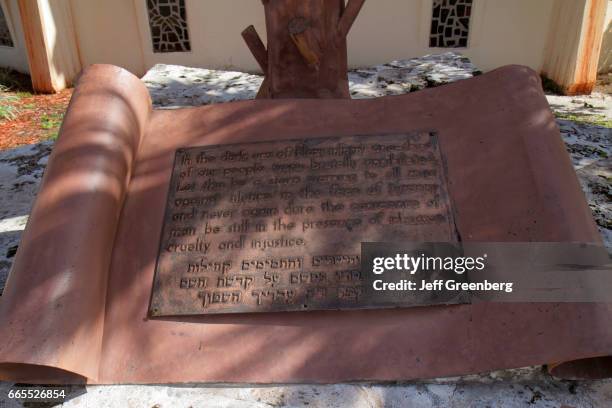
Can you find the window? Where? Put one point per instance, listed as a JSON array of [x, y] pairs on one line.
[[5, 34], [168, 22], [450, 23]]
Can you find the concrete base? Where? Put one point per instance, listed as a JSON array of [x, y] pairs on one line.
[[509, 389]]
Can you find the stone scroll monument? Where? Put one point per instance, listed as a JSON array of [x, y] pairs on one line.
[[223, 243]]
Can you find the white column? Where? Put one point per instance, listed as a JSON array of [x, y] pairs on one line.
[[574, 44], [51, 42]]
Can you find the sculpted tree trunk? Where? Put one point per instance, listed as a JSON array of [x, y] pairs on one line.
[[307, 54]]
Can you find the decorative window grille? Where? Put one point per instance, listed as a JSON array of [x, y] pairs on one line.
[[168, 22], [450, 23], [5, 34]]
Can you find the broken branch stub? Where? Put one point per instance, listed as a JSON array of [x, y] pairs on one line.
[[256, 46], [306, 55]]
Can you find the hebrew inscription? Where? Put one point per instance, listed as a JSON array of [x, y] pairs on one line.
[[278, 226]]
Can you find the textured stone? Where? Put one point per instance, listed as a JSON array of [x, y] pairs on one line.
[[596, 181], [173, 86], [509, 389], [403, 76], [21, 171]]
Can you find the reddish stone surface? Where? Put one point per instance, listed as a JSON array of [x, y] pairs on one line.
[[510, 180]]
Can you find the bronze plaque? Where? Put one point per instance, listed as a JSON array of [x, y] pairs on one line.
[[278, 226]]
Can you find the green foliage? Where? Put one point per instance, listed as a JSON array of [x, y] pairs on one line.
[[51, 121], [595, 120], [53, 135], [8, 111]]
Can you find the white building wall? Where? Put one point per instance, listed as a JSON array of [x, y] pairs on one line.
[[502, 32], [117, 32], [605, 59], [214, 29], [107, 33], [14, 57]]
